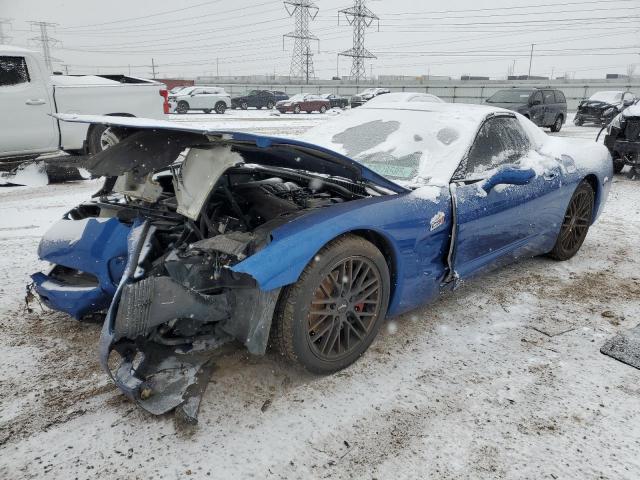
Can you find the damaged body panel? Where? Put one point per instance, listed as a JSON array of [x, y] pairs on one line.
[[198, 237]]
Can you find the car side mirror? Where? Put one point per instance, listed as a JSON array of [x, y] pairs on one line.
[[509, 175], [533, 103]]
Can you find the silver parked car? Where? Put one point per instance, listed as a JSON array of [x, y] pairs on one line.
[[207, 99]]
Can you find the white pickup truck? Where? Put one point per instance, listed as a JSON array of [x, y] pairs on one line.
[[29, 94]]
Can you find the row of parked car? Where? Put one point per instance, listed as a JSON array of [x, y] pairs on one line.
[[546, 107]]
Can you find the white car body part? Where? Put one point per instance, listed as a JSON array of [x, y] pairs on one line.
[[31, 95], [404, 97]]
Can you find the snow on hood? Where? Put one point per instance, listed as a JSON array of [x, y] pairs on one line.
[[144, 150], [410, 144], [610, 97]]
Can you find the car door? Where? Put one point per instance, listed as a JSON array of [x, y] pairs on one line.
[[195, 98], [536, 110], [551, 107], [26, 126], [493, 228]]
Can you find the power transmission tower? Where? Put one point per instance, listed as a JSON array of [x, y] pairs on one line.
[[301, 58], [45, 41], [153, 68], [360, 18], [4, 38]]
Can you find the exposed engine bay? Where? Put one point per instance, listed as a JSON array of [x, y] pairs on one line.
[[176, 297]]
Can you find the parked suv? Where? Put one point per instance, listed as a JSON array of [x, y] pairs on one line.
[[257, 99], [206, 99], [543, 106], [602, 107]]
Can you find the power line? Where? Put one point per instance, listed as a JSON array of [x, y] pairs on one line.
[[45, 41], [360, 18], [301, 57]]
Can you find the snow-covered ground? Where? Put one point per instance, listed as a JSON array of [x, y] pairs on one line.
[[502, 379]]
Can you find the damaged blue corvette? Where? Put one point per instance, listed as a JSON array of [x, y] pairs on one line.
[[200, 237]]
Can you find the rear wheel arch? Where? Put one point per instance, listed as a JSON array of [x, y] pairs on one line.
[[91, 131]]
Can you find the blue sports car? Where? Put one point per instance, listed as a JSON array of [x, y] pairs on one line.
[[198, 236]]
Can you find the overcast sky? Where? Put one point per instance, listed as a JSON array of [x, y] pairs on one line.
[[586, 39]]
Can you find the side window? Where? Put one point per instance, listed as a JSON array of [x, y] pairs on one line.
[[536, 98], [500, 141], [549, 97], [13, 71], [628, 96], [560, 97]]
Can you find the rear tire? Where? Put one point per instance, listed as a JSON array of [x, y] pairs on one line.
[[557, 125], [244, 106], [575, 223], [101, 137], [270, 105], [323, 109], [330, 316]]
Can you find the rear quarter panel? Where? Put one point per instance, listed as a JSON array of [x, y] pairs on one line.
[[138, 100]]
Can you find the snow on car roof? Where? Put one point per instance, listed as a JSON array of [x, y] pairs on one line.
[[405, 97], [411, 144]]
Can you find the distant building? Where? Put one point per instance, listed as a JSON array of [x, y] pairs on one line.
[[473, 77], [620, 76]]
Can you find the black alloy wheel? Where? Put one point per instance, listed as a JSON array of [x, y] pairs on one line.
[[270, 105], [344, 307], [296, 109], [575, 224], [244, 105], [327, 319], [183, 107], [220, 108]]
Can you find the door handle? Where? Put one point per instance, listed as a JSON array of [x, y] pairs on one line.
[[35, 101]]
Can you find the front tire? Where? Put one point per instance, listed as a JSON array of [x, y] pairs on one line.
[[575, 223], [220, 108], [183, 107], [618, 164], [270, 105], [244, 106], [296, 109], [330, 316], [323, 109]]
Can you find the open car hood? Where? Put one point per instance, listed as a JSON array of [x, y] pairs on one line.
[[157, 143]]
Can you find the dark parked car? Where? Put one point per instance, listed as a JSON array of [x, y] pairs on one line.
[[544, 106], [366, 95], [602, 107], [278, 95], [255, 98], [303, 102], [335, 100], [623, 139]]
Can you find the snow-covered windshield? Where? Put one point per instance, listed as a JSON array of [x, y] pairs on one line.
[[409, 147], [298, 97], [608, 97], [513, 95]]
